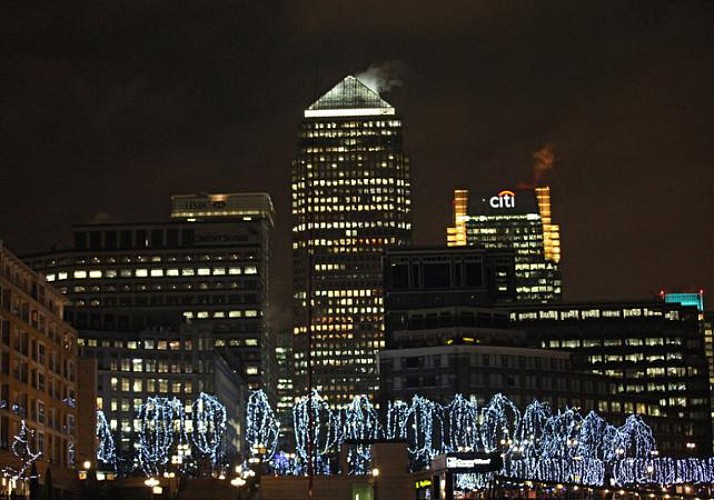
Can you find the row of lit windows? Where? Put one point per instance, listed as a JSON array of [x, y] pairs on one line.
[[634, 357], [344, 224], [151, 273], [161, 385], [235, 313], [612, 342], [595, 313], [351, 133], [352, 124], [129, 258]]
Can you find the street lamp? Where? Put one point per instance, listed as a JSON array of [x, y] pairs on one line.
[[238, 482], [375, 475], [154, 484]]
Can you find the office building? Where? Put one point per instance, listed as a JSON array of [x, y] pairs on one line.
[[706, 325], [208, 266], [163, 364], [285, 361], [649, 348], [445, 286], [520, 220], [38, 378], [350, 200]]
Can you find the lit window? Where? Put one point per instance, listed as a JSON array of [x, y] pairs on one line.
[[172, 272], [95, 274], [79, 274], [156, 273], [141, 273], [204, 271]]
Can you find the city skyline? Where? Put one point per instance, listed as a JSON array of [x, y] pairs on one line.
[[627, 103]]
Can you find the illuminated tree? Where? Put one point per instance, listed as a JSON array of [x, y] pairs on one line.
[[262, 428]]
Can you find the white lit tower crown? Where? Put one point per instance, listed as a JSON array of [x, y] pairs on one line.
[[350, 199]]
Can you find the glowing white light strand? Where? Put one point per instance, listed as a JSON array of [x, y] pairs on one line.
[[262, 427], [541, 446], [325, 431], [209, 426], [106, 450], [21, 449], [361, 424]]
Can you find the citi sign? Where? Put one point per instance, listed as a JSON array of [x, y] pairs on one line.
[[504, 199]]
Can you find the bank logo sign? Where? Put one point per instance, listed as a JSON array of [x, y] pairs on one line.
[[504, 199]]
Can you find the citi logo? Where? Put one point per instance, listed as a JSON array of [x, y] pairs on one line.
[[504, 199]]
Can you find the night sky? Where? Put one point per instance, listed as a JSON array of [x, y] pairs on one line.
[[107, 107]]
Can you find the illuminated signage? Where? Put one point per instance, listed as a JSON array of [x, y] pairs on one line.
[[424, 483], [472, 462], [504, 199], [466, 463]]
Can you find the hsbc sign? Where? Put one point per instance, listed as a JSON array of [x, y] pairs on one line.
[[504, 199]]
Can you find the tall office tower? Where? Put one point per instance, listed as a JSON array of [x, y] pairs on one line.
[[350, 200], [518, 219], [38, 380], [208, 266]]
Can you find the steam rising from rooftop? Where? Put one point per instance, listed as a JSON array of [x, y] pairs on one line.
[[544, 159], [383, 77]]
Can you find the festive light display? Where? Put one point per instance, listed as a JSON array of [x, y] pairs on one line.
[[360, 423], [424, 427], [262, 428], [537, 445], [326, 427], [461, 429], [209, 425], [156, 434], [168, 436], [106, 450], [21, 449], [499, 421]]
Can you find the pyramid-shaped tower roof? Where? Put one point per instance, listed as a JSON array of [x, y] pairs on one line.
[[350, 97]]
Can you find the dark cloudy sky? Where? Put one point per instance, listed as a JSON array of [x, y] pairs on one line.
[[110, 106]]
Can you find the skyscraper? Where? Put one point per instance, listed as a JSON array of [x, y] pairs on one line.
[[518, 219], [350, 199]]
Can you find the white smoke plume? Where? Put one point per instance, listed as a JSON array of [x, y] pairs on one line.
[[383, 77]]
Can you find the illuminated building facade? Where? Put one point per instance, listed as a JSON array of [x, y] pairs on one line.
[[285, 363], [350, 200], [522, 221], [163, 364], [38, 375], [706, 324], [649, 348], [208, 266]]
